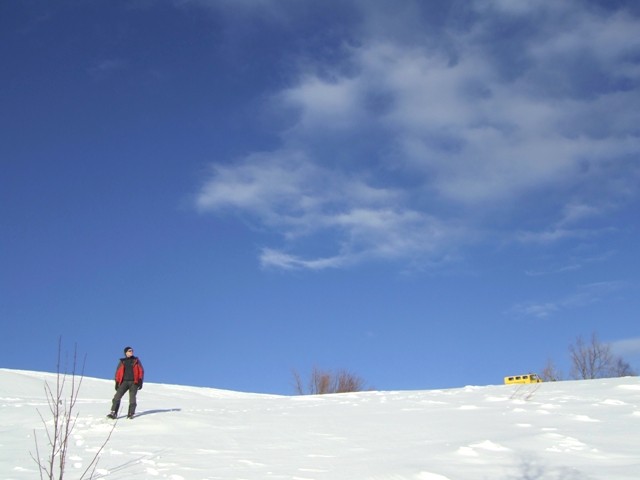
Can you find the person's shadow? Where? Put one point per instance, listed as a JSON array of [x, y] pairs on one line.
[[153, 412]]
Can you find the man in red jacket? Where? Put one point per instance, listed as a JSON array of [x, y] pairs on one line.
[[129, 376]]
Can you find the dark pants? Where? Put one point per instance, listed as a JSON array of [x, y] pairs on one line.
[[122, 389]]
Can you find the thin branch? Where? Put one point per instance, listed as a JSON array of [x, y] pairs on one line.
[[62, 408]]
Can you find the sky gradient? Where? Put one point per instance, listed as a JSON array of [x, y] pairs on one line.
[[426, 193]]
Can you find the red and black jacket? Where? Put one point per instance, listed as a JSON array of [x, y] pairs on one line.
[[138, 371]]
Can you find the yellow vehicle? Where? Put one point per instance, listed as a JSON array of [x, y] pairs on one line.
[[528, 378]]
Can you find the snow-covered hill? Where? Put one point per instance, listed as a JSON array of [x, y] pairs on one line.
[[556, 431]]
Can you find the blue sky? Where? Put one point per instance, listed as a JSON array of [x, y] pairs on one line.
[[428, 194]]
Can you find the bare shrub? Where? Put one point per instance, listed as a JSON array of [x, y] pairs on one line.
[[62, 399], [596, 360], [321, 382], [550, 372]]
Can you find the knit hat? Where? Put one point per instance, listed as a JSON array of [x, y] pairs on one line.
[[126, 349]]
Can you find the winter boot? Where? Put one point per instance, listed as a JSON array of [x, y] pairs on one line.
[[112, 415]]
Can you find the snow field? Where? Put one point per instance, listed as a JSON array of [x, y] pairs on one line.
[[557, 431]]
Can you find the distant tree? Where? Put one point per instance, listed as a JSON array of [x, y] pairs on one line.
[[321, 382], [595, 359], [550, 372], [624, 369]]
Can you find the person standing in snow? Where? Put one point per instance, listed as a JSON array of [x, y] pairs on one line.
[[129, 377]]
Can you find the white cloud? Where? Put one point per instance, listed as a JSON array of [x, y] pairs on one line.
[[329, 104], [577, 211], [263, 183], [277, 259], [289, 193], [552, 235], [454, 126], [583, 296], [628, 346], [571, 264], [471, 135]]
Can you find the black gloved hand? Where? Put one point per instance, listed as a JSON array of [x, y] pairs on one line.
[[116, 385], [140, 386]]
